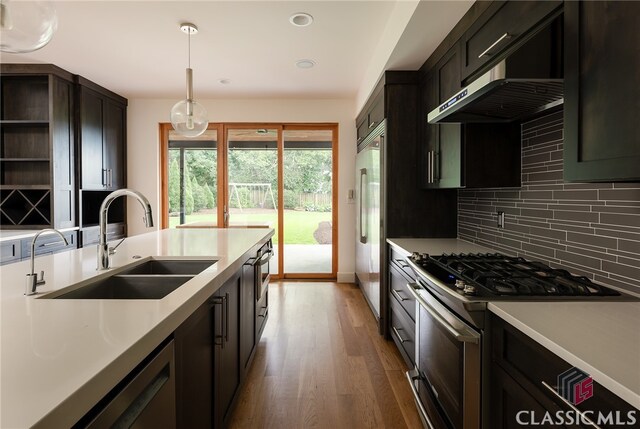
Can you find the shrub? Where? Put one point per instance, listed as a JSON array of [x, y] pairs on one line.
[[290, 199]]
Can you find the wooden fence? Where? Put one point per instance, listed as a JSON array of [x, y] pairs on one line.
[[314, 199]]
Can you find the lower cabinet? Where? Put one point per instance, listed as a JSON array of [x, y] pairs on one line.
[[402, 325], [214, 349], [524, 387], [17, 250]]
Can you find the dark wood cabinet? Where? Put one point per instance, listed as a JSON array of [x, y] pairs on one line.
[[247, 316], [501, 29], [37, 180], [402, 306], [10, 251], [102, 137], [49, 244], [520, 366], [371, 116], [602, 71], [227, 349], [194, 349]]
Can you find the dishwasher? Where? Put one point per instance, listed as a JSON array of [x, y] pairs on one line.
[[144, 399]]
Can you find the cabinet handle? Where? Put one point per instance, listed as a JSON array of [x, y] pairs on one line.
[[220, 300], [583, 416], [110, 176], [363, 235], [373, 124], [104, 177], [226, 317], [396, 331], [431, 166], [396, 293], [265, 312], [505, 36], [402, 263], [54, 243]]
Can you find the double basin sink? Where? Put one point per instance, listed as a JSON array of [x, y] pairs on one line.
[[153, 279]]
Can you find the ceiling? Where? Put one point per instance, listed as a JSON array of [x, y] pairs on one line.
[[136, 49]]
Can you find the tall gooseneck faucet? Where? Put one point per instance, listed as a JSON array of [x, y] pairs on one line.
[[104, 252], [32, 278]]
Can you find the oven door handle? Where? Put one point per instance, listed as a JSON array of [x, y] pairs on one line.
[[463, 337], [421, 410], [266, 257]]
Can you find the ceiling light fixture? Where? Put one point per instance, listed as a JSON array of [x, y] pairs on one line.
[[188, 117], [305, 64], [301, 19], [26, 26], [224, 81]]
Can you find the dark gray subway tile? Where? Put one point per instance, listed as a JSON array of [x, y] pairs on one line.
[[569, 186], [536, 195], [620, 194], [585, 261], [576, 216], [576, 207], [629, 246], [592, 240], [536, 159], [539, 250], [545, 176], [583, 251], [632, 272], [545, 214], [617, 209], [620, 219], [548, 232], [618, 283], [627, 185], [584, 195]]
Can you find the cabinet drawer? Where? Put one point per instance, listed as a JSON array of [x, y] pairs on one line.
[[399, 259], [499, 28], [376, 114], [403, 332], [10, 251], [530, 364], [50, 243], [262, 314], [115, 231], [400, 294]]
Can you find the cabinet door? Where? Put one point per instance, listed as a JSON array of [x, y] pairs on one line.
[[91, 129], [194, 369], [502, 26], [114, 144], [227, 348], [247, 315], [10, 251], [602, 71]]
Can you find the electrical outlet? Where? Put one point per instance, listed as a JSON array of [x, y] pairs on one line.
[[500, 219], [351, 196]]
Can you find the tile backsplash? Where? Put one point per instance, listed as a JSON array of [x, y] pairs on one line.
[[591, 229]]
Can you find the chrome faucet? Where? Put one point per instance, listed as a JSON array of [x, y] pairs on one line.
[[32, 278], [104, 251]]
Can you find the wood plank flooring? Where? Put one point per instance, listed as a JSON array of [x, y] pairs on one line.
[[322, 364]]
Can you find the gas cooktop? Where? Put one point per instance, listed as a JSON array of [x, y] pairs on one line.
[[493, 275]]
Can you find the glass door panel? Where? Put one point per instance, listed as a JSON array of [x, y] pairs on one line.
[[252, 189], [307, 183], [193, 180]]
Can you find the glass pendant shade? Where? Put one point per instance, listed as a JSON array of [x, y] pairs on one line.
[[189, 118], [26, 26]]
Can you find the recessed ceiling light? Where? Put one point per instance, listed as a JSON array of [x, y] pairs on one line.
[[305, 64], [301, 19], [224, 81]]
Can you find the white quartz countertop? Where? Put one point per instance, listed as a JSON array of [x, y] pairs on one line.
[[600, 338], [17, 234], [437, 246], [59, 357]]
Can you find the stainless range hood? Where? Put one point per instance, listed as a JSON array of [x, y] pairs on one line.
[[529, 80]]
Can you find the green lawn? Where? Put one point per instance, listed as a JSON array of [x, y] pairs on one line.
[[298, 225]]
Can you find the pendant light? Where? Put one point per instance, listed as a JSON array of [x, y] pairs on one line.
[[26, 26], [188, 117]]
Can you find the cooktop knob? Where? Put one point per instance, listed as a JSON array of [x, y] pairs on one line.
[[460, 284], [469, 289]]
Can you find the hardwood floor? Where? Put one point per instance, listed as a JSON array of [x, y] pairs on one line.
[[322, 364]]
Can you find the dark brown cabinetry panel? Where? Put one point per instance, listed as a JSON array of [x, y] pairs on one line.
[[36, 147], [10, 251], [501, 29], [247, 316], [602, 71], [520, 366], [194, 369]]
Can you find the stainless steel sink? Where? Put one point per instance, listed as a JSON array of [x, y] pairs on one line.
[[152, 279], [170, 266], [129, 287]]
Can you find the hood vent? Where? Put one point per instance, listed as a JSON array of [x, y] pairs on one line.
[[526, 82]]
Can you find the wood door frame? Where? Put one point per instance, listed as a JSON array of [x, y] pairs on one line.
[[222, 189], [164, 129]]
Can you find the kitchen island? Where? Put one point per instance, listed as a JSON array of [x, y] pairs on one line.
[[59, 357]]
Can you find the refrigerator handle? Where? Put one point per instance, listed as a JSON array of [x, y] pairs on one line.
[[363, 236]]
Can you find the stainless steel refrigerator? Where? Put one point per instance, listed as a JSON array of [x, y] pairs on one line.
[[368, 198]]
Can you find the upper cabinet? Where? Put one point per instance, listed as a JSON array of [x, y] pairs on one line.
[[36, 147], [602, 75], [102, 137], [500, 29], [372, 115]]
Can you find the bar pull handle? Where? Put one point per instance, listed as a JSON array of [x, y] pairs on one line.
[[583, 416], [505, 36], [363, 236], [402, 263], [421, 410], [396, 293], [396, 331]]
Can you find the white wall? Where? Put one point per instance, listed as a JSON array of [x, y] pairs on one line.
[[143, 155]]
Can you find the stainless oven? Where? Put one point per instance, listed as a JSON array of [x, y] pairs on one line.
[[446, 378], [261, 269]]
